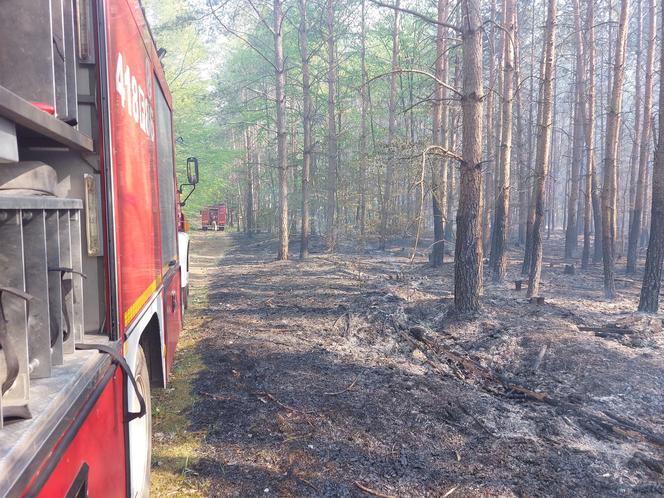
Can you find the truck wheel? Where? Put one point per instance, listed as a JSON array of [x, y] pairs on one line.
[[142, 432]]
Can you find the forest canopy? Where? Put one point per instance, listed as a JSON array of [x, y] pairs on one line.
[[483, 126]]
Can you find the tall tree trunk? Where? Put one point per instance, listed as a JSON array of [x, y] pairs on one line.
[[501, 221], [590, 134], [571, 233], [644, 146], [452, 167], [490, 153], [386, 208], [634, 156], [543, 150], [530, 220], [249, 198], [363, 128], [439, 173], [306, 126], [609, 188], [468, 250], [282, 164], [652, 277], [521, 169], [332, 149]]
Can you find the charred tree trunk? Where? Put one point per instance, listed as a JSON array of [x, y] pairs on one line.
[[652, 278], [543, 150], [609, 188], [502, 210], [468, 250], [644, 146]]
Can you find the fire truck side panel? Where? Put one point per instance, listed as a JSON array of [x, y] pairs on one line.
[[85, 460], [205, 218], [222, 215], [172, 318], [132, 113]]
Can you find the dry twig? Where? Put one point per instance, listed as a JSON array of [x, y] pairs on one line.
[[275, 400], [348, 388], [452, 490], [372, 492]]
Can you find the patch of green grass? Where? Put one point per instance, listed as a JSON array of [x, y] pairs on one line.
[[175, 449]]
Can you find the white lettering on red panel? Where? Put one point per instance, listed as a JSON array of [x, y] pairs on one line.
[[133, 98]]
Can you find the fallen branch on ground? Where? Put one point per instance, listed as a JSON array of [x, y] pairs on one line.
[[614, 424], [283, 405], [348, 388], [372, 492]]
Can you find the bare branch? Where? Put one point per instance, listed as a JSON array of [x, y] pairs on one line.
[[418, 71], [422, 17], [260, 17], [239, 36]]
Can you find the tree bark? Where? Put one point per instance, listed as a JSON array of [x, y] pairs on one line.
[[644, 146], [571, 232], [249, 197], [386, 208], [543, 150], [439, 173], [468, 250], [332, 148], [306, 128], [609, 188], [282, 164], [363, 128], [652, 277], [501, 221], [590, 134]]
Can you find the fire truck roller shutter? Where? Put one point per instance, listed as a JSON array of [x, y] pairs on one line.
[[28, 178]]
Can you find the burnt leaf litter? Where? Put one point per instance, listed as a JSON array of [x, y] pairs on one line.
[[348, 375]]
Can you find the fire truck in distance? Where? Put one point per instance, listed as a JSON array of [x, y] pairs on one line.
[[93, 265], [214, 217]]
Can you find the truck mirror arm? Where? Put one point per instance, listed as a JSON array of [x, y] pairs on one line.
[[193, 185]]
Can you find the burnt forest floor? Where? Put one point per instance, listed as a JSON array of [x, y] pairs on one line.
[[347, 375]]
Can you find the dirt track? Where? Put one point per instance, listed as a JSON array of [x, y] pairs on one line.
[[308, 379]]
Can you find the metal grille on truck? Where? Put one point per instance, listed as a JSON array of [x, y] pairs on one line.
[[41, 292]]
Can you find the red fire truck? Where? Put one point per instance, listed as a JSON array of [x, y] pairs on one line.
[[214, 217], [93, 269]]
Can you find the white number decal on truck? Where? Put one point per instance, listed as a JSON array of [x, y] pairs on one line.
[[133, 97]]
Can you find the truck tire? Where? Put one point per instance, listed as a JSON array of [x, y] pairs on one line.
[[141, 471]]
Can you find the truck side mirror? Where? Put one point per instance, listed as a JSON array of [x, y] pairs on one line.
[[192, 178], [192, 170]]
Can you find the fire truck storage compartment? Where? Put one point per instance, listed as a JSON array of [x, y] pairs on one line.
[[38, 43], [41, 291]]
